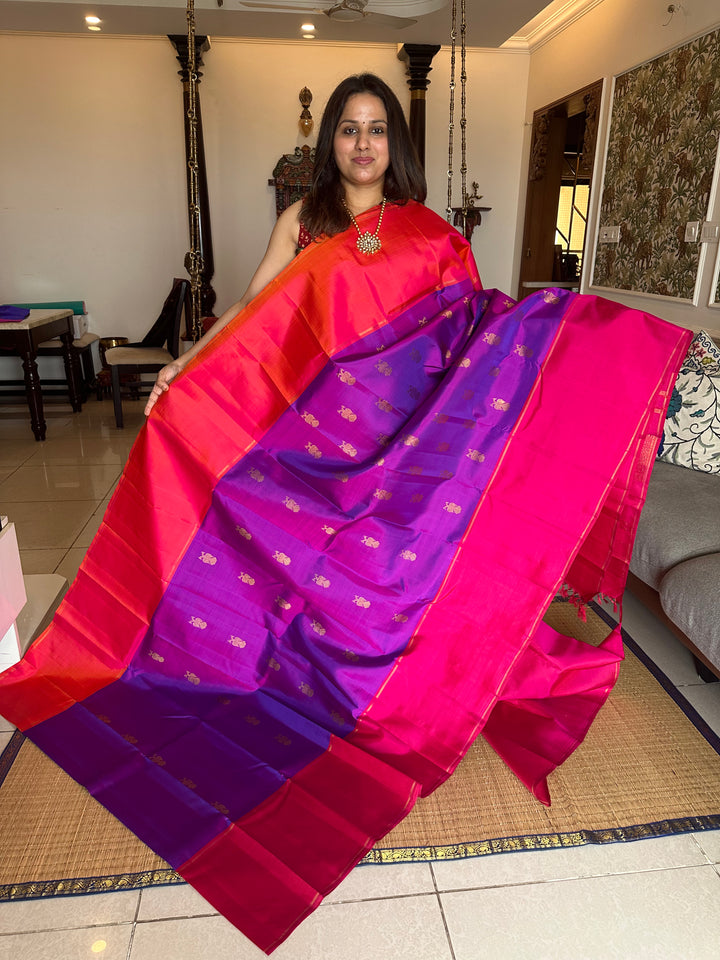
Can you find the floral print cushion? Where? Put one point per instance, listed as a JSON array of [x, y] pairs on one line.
[[692, 429]]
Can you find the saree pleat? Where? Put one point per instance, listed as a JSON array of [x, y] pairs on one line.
[[324, 571]]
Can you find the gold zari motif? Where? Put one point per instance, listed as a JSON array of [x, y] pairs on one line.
[[197, 622]]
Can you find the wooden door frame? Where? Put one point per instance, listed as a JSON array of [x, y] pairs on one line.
[[545, 176]]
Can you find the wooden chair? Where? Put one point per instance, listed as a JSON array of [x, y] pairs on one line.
[[160, 345]]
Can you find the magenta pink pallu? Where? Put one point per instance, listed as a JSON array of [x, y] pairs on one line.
[[324, 571]]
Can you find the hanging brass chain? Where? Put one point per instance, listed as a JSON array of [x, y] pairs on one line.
[[466, 202], [194, 260], [451, 124], [463, 118]]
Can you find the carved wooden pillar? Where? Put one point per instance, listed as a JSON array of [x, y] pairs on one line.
[[207, 294], [418, 57]]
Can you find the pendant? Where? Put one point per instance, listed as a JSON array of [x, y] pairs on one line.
[[368, 243]]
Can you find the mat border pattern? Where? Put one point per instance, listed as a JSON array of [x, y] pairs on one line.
[[35, 890]]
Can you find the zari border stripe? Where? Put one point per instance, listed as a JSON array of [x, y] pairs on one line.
[[79, 886]]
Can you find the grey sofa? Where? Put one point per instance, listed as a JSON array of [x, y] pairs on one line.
[[675, 566]]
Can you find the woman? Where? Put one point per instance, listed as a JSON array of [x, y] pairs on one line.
[[364, 156], [324, 570]]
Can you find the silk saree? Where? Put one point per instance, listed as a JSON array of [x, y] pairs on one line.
[[324, 571]]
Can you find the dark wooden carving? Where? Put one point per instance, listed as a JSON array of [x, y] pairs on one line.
[[418, 57], [202, 44], [539, 148], [292, 177]]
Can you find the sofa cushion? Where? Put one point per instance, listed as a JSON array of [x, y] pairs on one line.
[[690, 597], [691, 437], [680, 520]]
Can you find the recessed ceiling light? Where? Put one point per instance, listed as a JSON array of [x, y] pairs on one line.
[[308, 36], [307, 26], [93, 27], [93, 20]]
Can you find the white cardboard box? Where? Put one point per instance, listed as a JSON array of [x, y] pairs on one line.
[[12, 595]]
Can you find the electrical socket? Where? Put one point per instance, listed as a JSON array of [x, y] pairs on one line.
[[610, 234]]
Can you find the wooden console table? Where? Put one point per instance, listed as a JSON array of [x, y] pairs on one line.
[[23, 338]]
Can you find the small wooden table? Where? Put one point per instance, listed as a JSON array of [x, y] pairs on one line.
[[23, 338]]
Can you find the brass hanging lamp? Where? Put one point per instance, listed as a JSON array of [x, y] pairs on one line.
[[467, 216]]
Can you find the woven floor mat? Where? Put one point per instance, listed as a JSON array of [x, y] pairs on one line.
[[644, 770]]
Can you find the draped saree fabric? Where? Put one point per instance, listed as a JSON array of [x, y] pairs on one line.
[[324, 570]]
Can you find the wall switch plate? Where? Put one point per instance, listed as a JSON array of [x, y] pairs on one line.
[[710, 232], [609, 234], [692, 231]]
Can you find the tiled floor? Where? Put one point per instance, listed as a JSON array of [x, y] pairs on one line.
[[655, 899]]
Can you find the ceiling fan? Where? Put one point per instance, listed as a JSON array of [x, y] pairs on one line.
[[342, 11]]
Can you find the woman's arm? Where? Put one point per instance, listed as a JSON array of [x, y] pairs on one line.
[[280, 252]]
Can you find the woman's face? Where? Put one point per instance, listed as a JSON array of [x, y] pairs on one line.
[[360, 144]]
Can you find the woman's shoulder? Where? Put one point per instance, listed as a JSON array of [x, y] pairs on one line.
[[288, 224]]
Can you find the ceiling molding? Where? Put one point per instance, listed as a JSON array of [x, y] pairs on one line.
[[544, 28]]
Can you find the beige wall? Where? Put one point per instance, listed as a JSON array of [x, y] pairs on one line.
[[612, 38], [91, 186], [94, 189]]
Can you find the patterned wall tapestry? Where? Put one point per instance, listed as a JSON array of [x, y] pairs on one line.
[[661, 156]]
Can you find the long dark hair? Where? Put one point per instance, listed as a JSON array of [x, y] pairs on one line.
[[323, 210]]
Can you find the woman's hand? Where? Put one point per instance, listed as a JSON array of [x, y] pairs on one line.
[[162, 384]]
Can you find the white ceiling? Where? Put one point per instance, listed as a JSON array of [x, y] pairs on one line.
[[489, 22]]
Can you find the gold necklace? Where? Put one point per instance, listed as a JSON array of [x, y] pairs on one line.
[[368, 243]]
